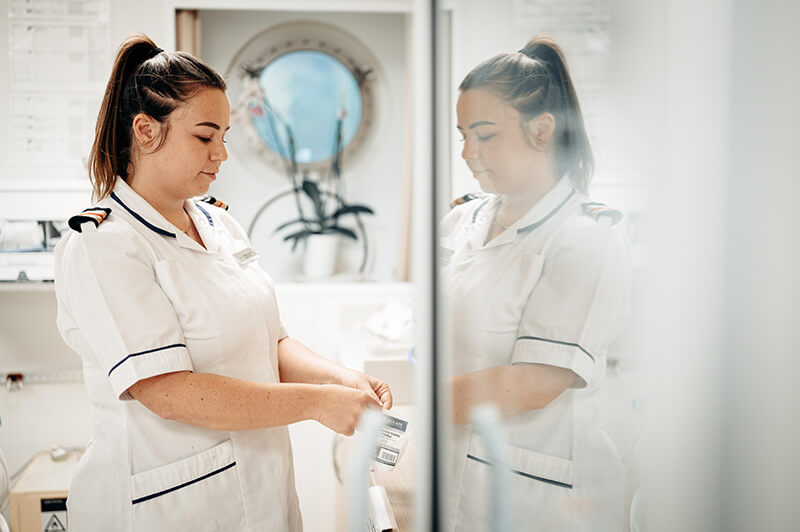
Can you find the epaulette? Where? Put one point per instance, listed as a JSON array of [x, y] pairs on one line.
[[211, 200], [465, 198], [602, 212], [96, 215]]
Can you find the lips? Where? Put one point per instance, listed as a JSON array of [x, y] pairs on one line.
[[476, 169]]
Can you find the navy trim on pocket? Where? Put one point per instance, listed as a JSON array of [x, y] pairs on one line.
[[523, 474], [174, 488]]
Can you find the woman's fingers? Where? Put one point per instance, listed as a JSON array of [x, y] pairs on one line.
[[384, 393]]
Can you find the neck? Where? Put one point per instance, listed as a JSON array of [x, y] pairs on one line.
[[514, 206], [169, 207]]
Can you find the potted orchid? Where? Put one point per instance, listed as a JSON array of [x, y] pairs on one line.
[[319, 199]]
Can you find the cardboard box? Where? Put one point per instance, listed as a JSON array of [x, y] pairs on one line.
[[38, 502]]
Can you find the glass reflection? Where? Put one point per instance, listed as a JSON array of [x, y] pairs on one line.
[[536, 279]]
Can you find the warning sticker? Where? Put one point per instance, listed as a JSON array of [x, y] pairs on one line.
[[54, 515]]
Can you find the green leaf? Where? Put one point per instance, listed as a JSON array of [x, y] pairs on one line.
[[352, 209], [312, 191], [303, 233], [349, 233], [298, 220]]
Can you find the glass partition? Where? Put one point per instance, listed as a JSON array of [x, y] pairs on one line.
[[537, 250]]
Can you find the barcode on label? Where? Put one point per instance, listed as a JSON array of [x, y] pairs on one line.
[[386, 456]]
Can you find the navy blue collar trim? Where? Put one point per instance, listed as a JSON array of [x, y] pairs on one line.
[[534, 225], [208, 216], [138, 217], [481, 206]]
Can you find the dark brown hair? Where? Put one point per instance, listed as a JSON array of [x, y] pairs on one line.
[[144, 79], [535, 80]]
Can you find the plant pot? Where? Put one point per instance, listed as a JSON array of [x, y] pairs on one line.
[[320, 256]]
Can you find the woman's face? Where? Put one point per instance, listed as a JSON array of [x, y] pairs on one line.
[[496, 149], [194, 148]]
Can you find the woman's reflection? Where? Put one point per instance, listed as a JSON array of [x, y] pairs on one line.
[[537, 278]]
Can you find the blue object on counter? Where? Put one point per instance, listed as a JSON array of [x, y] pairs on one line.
[[411, 358]]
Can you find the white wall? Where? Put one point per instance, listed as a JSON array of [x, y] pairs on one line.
[[374, 177]]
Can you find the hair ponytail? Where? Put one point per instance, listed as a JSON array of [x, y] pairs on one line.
[[144, 79], [536, 80]]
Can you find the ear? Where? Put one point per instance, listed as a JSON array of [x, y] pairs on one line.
[[540, 129], [146, 130]]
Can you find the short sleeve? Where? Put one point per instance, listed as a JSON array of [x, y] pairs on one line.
[[108, 288], [580, 303]]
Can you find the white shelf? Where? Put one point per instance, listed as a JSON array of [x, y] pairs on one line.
[[26, 286], [311, 288], [353, 6]]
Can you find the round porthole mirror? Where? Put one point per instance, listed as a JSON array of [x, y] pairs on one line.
[[301, 103], [314, 94]]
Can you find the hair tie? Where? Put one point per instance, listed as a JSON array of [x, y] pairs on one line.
[[155, 52]]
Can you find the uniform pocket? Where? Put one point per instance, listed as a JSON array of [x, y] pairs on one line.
[[511, 293], [200, 493], [540, 490], [190, 303]]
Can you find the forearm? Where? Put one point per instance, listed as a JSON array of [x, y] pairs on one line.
[[299, 364], [514, 389], [223, 403]]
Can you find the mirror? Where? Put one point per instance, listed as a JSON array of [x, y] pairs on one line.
[[317, 96]]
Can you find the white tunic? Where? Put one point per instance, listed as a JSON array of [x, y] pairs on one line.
[[551, 289], [138, 298]]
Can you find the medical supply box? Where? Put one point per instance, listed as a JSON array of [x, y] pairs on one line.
[[38, 502]]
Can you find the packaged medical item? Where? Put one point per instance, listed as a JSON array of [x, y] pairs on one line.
[[381, 518], [392, 442]]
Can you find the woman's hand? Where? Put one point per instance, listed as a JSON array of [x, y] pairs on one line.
[[377, 389], [340, 407]]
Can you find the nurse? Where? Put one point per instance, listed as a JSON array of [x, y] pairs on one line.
[[536, 277], [191, 373]]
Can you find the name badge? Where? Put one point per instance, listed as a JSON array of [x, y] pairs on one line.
[[243, 256]]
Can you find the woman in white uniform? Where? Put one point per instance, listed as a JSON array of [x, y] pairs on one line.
[[191, 374], [537, 280]]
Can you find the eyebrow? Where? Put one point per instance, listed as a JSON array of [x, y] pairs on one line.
[[478, 124], [211, 124]]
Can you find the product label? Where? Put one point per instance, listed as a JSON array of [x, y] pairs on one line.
[[389, 440], [54, 515]]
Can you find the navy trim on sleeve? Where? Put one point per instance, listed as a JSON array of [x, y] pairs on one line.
[[138, 217], [190, 482], [144, 353], [208, 216], [557, 342], [524, 474]]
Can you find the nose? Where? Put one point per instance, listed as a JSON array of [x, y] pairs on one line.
[[220, 153], [470, 150]]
